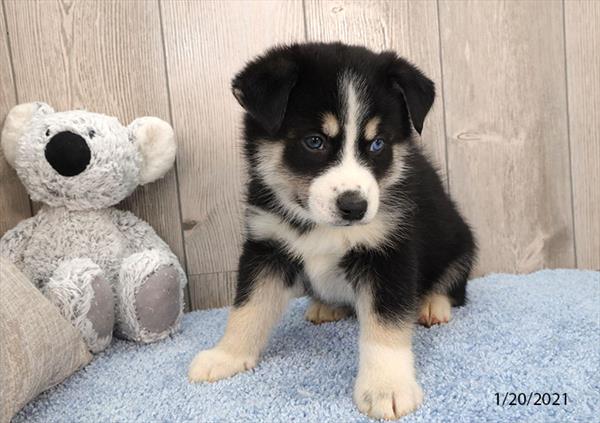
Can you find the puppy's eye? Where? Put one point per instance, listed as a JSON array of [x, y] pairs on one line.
[[92, 133], [376, 145], [314, 142], [47, 132]]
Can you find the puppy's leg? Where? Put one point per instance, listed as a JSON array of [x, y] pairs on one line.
[[435, 309], [318, 312], [246, 334], [263, 291], [386, 387]]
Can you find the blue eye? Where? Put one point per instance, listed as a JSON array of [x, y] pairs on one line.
[[377, 145], [314, 142]]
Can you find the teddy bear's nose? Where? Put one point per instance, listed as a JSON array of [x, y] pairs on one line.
[[68, 153]]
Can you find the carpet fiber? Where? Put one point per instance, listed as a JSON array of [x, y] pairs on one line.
[[518, 334]]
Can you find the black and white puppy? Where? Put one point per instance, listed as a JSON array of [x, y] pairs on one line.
[[343, 204]]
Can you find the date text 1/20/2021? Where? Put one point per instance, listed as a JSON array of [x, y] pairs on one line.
[[530, 398]]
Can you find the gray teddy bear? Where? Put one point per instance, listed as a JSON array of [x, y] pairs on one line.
[[101, 267]]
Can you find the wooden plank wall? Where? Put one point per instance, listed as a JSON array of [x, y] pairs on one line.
[[14, 203], [506, 130], [582, 29], [514, 131]]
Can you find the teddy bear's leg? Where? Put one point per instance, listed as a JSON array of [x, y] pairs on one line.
[[149, 296], [85, 298]]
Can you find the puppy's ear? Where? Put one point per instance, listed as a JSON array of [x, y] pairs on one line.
[[16, 123], [155, 139], [407, 80], [263, 88]]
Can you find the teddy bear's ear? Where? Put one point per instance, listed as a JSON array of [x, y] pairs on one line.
[[15, 124], [155, 139]]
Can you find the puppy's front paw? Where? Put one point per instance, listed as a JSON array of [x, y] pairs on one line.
[[215, 364], [387, 401]]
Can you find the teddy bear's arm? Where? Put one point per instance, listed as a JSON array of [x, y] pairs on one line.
[[139, 234], [14, 241]]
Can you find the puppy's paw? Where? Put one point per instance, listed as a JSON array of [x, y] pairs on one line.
[[216, 364], [318, 313], [435, 309], [381, 400]]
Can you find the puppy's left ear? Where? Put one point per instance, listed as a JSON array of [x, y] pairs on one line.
[[155, 139], [263, 88], [418, 90]]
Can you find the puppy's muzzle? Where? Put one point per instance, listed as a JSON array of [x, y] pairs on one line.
[[351, 205]]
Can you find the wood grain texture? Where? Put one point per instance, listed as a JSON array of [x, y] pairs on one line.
[[207, 42], [105, 57], [505, 104], [408, 27], [14, 202], [582, 27], [212, 290]]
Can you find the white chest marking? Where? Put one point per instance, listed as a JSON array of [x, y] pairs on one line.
[[321, 249], [327, 279]]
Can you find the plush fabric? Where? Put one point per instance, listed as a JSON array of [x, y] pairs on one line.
[[122, 157], [38, 347], [90, 259], [533, 333], [74, 287]]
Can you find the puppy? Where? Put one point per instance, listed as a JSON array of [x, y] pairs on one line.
[[343, 205]]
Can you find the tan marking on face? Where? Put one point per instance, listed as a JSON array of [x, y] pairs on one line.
[[371, 128], [331, 126], [290, 188]]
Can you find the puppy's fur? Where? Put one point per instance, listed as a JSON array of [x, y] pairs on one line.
[[343, 204]]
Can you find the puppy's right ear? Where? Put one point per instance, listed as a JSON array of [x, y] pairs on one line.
[[263, 88], [16, 123], [407, 80]]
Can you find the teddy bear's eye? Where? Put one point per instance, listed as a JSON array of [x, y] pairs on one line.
[[92, 133], [47, 132]]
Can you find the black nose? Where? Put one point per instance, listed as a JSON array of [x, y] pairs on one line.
[[352, 205], [68, 153]]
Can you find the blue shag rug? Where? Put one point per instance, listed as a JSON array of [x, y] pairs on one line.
[[536, 333]]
